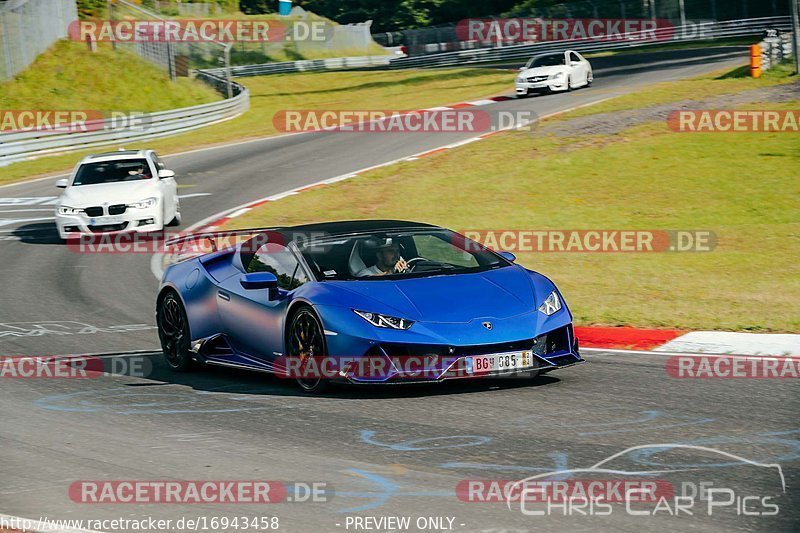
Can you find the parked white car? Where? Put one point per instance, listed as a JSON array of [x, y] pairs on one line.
[[557, 71], [124, 191]]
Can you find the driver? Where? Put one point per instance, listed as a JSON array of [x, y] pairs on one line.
[[138, 170], [387, 261]]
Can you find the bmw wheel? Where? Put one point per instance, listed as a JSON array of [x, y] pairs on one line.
[[173, 332], [307, 340]]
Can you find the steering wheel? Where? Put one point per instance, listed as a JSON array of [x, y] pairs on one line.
[[414, 261]]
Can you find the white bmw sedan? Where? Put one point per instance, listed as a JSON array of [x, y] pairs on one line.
[[557, 71], [118, 191]]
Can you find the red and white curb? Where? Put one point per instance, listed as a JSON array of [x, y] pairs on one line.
[[693, 342]]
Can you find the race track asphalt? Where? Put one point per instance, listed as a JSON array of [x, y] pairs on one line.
[[397, 451]]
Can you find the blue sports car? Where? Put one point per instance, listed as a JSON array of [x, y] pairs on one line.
[[377, 301]]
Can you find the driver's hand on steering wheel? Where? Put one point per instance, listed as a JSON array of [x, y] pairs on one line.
[[401, 266]]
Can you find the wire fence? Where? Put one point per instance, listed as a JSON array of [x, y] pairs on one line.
[[702, 32], [28, 28], [174, 57]]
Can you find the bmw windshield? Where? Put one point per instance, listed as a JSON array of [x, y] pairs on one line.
[[397, 255], [113, 171]]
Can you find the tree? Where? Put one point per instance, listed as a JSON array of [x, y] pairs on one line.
[[258, 7]]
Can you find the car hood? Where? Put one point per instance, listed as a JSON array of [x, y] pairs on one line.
[[500, 293], [542, 71], [112, 193]]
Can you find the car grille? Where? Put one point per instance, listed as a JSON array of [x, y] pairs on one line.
[[108, 227], [117, 209], [94, 211], [536, 79], [548, 345]]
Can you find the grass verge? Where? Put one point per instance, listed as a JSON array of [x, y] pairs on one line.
[[743, 187], [69, 77], [362, 90], [703, 87]]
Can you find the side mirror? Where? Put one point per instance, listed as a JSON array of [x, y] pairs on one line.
[[62, 184], [255, 281], [164, 174], [521, 68], [508, 256]]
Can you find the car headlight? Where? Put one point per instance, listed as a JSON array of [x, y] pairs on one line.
[[551, 304], [144, 204], [558, 75], [384, 321], [520, 79], [66, 210]]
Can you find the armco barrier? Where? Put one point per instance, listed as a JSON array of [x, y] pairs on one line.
[[28, 145], [308, 65], [697, 32]]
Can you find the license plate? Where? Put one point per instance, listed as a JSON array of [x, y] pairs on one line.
[[501, 362], [105, 221]]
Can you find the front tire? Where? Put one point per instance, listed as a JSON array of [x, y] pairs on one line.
[[176, 220], [306, 339], [173, 332]]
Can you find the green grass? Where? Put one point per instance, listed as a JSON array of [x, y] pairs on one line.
[[357, 90], [743, 187], [69, 77]]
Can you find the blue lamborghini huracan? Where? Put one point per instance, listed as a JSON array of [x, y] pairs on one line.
[[378, 301]]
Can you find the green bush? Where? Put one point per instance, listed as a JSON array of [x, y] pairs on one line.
[[91, 8]]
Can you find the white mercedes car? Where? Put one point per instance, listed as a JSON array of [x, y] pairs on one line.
[[124, 191], [557, 71]]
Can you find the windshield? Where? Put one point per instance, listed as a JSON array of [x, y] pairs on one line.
[[552, 60], [113, 171], [400, 254]]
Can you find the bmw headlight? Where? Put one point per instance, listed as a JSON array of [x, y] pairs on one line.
[[558, 76], [384, 321], [551, 304], [144, 204], [66, 210]]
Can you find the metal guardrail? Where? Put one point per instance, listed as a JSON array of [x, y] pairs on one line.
[[704, 31], [308, 65], [21, 146]]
